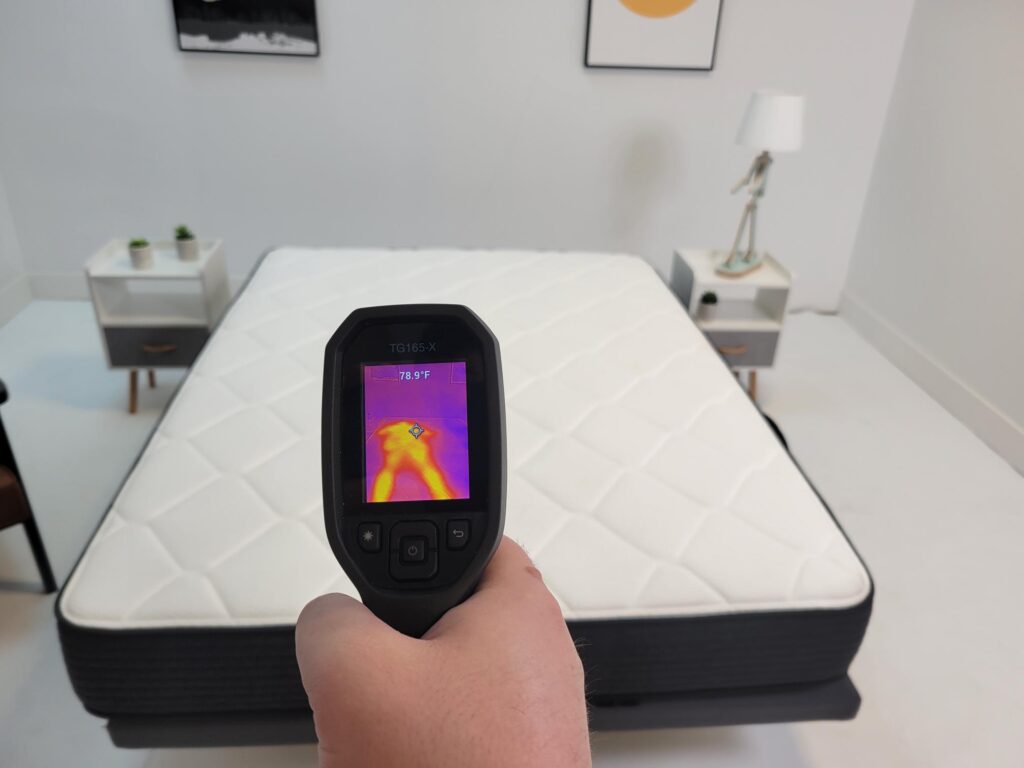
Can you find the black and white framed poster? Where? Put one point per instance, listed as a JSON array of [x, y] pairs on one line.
[[652, 34], [284, 27]]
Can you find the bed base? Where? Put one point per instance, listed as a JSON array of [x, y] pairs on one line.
[[830, 700]]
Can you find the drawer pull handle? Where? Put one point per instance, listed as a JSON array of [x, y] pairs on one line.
[[738, 349], [159, 349]]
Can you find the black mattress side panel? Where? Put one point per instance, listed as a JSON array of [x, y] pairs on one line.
[[192, 671], [178, 671], [742, 650]]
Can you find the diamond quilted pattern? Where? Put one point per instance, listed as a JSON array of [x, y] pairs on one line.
[[551, 405], [698, 470], [636, 348], [570, 473], [537, 517], [676, 396], [821, 572], [757, 567], [300, 409], [266, 379], [205, 401], [286, 331], [289, 481], [227, 350], [244, 440], [594, 379], [581, 549], [629, 433], [719, 422], [166, 474], [523, 436], [311, 356], [126, 568], [227, 511], [641, 479], [781, 479], [650, 516], [189, 594], [276, 574], [258, 308], [672, 587]]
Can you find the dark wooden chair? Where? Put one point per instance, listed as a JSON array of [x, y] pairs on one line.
[[14, 506]]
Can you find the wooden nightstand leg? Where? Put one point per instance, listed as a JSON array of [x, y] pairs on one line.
[[152, 379], [133, 391], [752, 385]]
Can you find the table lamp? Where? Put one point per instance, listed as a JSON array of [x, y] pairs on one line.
[[773, 122]]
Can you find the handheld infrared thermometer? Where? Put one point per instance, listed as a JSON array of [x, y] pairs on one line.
[[413, 454]]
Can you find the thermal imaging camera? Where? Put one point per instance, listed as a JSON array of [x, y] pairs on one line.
[[413, 457]]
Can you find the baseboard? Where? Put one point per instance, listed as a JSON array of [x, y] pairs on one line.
[[14, 297], [1001, 433], [59, 285]]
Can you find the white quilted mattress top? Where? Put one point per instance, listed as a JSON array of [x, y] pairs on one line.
[[641, 479]]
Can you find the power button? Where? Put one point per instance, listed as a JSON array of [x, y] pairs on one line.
[[412, 549]]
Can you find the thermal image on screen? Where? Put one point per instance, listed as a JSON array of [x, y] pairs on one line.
[[417, 433]]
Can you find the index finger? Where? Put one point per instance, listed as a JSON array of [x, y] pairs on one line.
[[509, 564]]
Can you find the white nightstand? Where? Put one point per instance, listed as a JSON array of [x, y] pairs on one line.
[[745, 324], [159, 317]]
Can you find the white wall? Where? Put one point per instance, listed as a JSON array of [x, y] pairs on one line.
[[450, 122], [14, 288], [937, 278]]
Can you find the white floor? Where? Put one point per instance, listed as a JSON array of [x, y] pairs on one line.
[[937, 516]]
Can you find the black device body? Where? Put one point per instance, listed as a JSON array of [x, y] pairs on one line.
[[412, 559]]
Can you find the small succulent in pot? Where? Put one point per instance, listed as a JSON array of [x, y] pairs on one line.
[[141, 253], [186, 243], [708, 305]]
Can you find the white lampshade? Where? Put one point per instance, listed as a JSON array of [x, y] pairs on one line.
[[774, 121]]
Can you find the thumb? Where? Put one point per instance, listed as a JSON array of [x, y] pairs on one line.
[[333, 631]]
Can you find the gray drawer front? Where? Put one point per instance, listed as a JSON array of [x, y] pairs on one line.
[[154, 347], [745, 348]]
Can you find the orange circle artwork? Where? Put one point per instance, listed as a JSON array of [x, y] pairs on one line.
[[657, 9]]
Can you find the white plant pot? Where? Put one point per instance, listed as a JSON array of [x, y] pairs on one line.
[[707, 311], [142, 258], [188, 250]]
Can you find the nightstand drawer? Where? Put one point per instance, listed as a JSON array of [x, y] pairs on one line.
[[741, 349], [154, 347]]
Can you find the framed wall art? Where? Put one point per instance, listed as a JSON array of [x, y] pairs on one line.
[[283, 27], [652, 34]]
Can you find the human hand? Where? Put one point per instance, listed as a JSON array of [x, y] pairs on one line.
[[496, 682]]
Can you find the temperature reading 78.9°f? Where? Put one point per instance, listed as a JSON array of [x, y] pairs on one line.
[[414, 375]]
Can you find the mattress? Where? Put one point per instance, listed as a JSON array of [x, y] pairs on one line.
[[685, 547]]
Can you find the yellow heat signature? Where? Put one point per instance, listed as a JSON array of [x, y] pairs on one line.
[[403, 452]]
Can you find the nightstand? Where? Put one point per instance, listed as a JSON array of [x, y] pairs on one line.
[[158, 317], [745, 323]]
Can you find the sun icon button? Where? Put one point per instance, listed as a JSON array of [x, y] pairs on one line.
[[416, 430], [369, 535]]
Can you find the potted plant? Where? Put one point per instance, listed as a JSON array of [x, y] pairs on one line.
[[708, 306], [188, 246], [141, 252]]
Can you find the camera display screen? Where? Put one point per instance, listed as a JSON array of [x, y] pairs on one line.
[[416, 432]]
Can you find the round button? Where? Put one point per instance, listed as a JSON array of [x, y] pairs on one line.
[[412, 549]]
